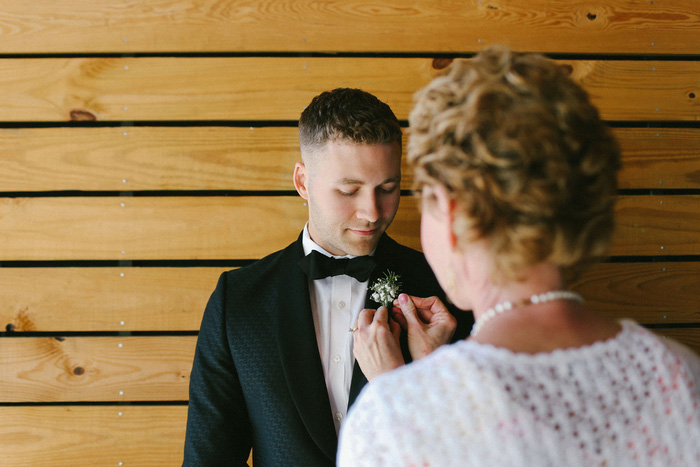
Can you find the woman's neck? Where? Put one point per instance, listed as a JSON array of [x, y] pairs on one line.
[[483, 290], [534, 325]]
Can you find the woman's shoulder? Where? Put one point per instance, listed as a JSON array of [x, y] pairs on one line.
[[477, 362], [468, 367]]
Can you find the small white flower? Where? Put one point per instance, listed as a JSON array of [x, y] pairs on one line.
[[386, 289]]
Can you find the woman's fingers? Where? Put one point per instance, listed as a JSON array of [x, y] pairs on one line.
[[365, 317], [409, 309], [376, 345], [381, 315]]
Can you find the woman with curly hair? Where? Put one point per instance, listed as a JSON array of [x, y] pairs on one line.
[[517, 179]]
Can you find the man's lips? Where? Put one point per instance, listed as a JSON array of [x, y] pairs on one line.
[[365, 232]]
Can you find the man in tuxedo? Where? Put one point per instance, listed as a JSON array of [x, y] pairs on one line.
[[274, 368]]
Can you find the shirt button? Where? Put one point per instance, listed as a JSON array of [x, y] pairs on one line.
[[337, 359], [339, 416], [341, 304]]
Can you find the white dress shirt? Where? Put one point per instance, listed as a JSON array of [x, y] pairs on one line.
[[336, 303]]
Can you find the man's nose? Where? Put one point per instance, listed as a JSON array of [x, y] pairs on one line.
[[368, 208]]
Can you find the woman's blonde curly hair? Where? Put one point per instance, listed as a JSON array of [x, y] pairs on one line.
[[523, 151]]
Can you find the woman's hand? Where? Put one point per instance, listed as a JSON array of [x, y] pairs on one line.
[[376, 343], [426, 321]]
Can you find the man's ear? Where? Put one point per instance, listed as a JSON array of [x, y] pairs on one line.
[[301, 180]]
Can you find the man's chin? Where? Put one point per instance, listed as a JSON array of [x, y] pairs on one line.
[[363, 246]]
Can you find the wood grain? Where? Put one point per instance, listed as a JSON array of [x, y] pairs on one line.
[[86, 436], [85, 369], [105, 299], [659, 157], [649, 293], [144, 368], [73, 369], [173, 299], [249, 227], [235, 65], [129, 228], [619, 27], [148, 158], [255, 158], [278, 88], [657, 225], [660, 90], [194, 88]]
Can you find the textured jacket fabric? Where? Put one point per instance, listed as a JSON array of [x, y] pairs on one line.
[[257, 379]]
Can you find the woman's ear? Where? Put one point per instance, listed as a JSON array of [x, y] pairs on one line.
[[443, 207], [442, 199], [301, 179], [446, 207]]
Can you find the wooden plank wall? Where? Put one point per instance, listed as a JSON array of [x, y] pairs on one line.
[[147, 146]]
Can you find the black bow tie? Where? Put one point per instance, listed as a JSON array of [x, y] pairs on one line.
[[319, 266]]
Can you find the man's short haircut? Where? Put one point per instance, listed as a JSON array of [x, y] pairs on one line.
[[349, 115]]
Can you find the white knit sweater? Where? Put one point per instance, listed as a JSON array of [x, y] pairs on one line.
[[633, 400]]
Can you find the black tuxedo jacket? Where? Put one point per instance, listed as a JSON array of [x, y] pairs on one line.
[[257, 379]]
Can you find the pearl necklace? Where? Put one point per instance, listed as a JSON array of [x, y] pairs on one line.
[[537, 298]]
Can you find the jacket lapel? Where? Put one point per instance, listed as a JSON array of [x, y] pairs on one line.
[[358, 378], [299, 354], [356, 384]]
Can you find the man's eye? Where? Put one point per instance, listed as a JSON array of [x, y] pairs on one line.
[[389, 189], [347, 193]]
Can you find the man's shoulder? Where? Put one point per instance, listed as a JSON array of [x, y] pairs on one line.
[[264, 270]]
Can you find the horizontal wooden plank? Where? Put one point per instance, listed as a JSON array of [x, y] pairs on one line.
[[148, 158], [173, 299], [659, 157], [278, 88], [105, 299], [148, 228], [194, 88], [620, 26], [85, 436], [249, 227], [649, 293], [256, 158], [129, 228], [89, 369], [657, 225], [662, 90], [73, 369]]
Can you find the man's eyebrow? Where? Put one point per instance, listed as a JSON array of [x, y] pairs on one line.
[[351, 181]]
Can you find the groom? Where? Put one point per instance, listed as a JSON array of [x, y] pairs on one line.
[[274, 368]]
